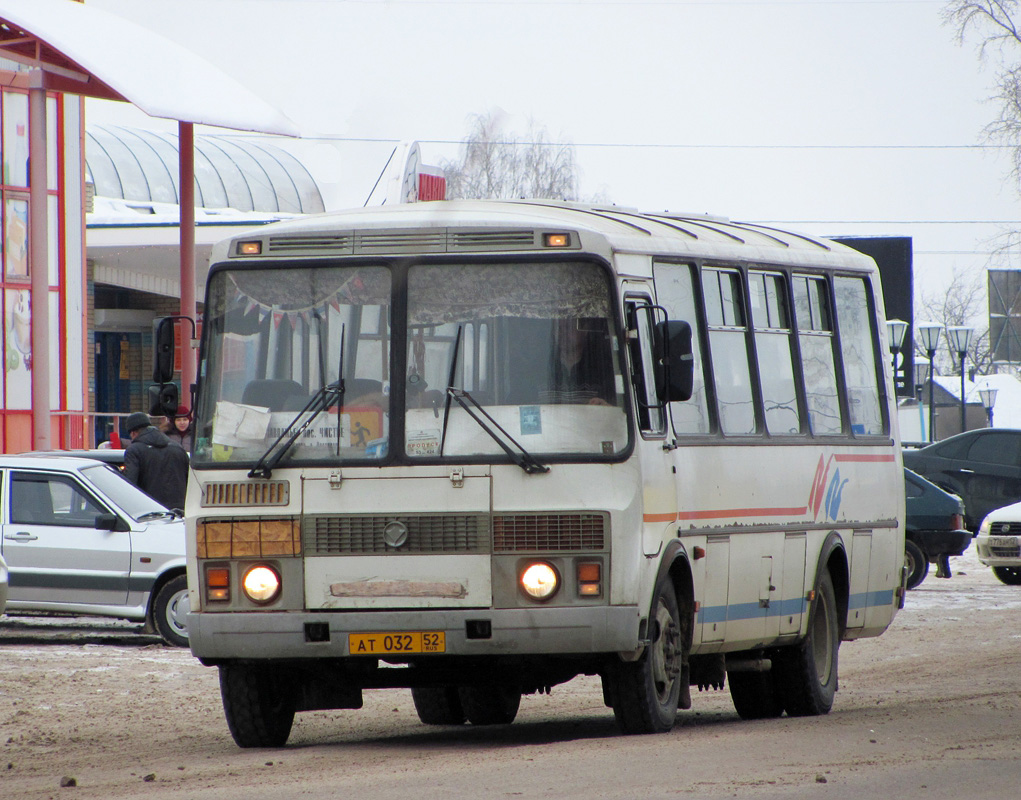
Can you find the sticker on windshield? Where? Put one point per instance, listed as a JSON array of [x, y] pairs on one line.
[[423, 443], [531, 420]]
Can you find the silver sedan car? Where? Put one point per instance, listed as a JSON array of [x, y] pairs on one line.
[[79, 539]]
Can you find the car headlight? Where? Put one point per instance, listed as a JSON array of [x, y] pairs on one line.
[[540, 580], [261, 584]]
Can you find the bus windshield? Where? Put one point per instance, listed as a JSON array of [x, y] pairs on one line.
[[532, 344]]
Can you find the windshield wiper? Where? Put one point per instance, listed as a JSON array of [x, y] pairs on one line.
[[325, 396], [522, 458]]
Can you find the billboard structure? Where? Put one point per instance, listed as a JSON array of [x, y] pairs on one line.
[[893, 256], [1005, 315]]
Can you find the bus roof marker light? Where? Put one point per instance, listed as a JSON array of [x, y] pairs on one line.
[[250, 248], [556, 239]]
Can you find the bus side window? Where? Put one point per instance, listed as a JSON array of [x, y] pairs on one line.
[[640, 321], [771, 320], [858, 347], [815, 337], [675, 291], [728, 345]]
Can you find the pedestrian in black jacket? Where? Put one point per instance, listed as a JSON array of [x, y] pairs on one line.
[[156, 465]]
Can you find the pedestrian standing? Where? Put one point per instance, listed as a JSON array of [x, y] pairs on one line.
[[155, 464]]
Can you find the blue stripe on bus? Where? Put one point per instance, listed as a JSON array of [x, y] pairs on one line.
[[797, 605]]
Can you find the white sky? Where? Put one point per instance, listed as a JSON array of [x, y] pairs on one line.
[[855, 117]]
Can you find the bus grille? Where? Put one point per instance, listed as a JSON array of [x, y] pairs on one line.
[[245, 493], [556, 532], [427, 533]]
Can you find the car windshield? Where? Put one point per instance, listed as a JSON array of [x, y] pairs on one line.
[[128, 497]]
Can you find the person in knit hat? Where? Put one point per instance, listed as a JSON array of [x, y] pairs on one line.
[[156, 465]]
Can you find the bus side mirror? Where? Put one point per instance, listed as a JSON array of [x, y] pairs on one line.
[[163, 357], [163, 400], [676, 373]]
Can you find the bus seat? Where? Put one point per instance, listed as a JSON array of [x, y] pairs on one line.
[[271, 393]]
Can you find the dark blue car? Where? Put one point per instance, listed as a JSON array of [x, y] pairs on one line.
[[934, 529]]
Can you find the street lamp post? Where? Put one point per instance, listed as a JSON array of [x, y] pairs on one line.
[[959, 337], [988, 396], [922, 371], [928, 336], [896, 329]]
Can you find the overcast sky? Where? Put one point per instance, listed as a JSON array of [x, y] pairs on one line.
[[829, 116]]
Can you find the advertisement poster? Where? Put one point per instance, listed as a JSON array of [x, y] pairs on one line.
[[18, 349]]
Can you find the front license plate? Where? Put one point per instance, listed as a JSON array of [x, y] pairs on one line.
[[1002, 541], [378, 644]]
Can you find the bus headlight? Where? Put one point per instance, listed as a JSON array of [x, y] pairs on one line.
[[261, 584], [540, 580]]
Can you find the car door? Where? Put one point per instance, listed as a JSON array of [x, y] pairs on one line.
[[990, 473], [55, 553]]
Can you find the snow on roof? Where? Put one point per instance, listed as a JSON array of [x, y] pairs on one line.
[[1007, 405], [148, 70]]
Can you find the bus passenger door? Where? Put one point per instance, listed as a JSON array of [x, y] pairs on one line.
[[659, 492]]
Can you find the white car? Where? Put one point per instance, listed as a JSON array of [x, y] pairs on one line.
[[79, 539], [998, 543]]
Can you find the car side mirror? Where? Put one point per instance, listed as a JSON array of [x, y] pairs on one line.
[[110, 522]]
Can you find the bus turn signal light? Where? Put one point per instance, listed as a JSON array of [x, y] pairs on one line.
[[218, 583], [590, 579]]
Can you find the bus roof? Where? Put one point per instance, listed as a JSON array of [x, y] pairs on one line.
[[504, 225]]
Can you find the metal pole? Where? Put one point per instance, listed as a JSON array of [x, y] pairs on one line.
[[39, 264], [186, 145], [932, 408], [964, 425]]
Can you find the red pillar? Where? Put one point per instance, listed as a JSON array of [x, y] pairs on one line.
[[39, 263], [189, 356]]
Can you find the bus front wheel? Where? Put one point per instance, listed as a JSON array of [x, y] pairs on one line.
[[645, 693], [806, 673], [257, 703]]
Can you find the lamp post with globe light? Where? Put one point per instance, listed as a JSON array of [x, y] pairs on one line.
[[922, 371], [896, 329], [988, 396], [959, 337], [928, 337]]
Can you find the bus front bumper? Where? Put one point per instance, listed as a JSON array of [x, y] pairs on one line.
[[482, 632]]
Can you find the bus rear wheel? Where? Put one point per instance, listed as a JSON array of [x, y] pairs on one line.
[[806, 674], [755, 694], [438, 705], [257, 703], [490, 705], [645, 693]]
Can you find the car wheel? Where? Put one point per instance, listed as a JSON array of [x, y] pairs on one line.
[[438, 705], [258, 704], [806, 673], [170, 610], [917, 563], [1008, 575]]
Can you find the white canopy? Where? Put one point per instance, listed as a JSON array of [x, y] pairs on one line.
[[88, 51]]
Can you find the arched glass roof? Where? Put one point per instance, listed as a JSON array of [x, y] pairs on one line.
[[230, 172]]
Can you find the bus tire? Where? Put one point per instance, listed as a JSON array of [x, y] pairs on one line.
[[917, 563], [258, 706], [168, 612], [1008, 575], [755, 695], [807, 672], [646, 692], [438, 705], [490, 705]]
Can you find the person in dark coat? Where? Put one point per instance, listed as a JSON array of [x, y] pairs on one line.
[[179, 428], [156, 465]]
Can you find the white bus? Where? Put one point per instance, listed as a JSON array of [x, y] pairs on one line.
[[476, 449]]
